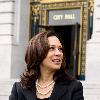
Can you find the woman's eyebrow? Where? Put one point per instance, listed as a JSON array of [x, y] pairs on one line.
[[51, 45], [55, 45]]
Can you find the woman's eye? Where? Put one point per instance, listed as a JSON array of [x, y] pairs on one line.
[[51, 48], [60, 49]]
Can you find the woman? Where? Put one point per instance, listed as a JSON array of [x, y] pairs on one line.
[[45, 77]]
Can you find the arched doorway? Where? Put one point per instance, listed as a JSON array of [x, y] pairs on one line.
[[69, 35], [69, 19]]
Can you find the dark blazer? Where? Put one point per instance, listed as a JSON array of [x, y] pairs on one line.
[[63, 90]]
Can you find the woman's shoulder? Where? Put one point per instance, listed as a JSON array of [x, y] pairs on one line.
[[15, 91], [72, 86], [75, 85], [17, 87], [71, 83], [16, 84], [76, 89]]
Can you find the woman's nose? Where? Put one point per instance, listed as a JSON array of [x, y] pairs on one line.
[[57, 52]]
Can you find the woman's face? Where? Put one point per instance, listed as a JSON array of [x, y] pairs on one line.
[[54, 57]]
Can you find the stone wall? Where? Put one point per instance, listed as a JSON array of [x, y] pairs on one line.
[[6, 34], [5, 89], [91, 91], [14, 17], [14, 35], [92, 82]]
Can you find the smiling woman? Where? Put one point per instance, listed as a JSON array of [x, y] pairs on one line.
[[54, 58], [46, 77]]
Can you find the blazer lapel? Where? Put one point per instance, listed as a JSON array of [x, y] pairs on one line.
[[59, 90]]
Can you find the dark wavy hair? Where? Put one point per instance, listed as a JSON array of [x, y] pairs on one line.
[[37, 50]]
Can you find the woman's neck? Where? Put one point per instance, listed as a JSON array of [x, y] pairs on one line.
[[46, 77]]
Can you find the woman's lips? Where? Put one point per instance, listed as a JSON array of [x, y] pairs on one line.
[[56, 61]]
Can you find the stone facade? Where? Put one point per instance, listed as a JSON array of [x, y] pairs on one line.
[[14, 35], [6, 33]]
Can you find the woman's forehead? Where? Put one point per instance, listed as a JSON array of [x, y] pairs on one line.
[[53, 40]]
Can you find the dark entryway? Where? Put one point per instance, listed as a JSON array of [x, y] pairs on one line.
[[70, 38]]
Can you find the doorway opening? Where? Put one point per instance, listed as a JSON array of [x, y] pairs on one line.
[[70, 38]]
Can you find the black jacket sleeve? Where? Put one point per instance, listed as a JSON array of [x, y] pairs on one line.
[[78, 92], [14, 94]]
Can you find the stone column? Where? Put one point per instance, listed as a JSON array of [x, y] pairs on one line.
[[14, 35], [6, 28], [6, 34], [93, 48], [92, 82]]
